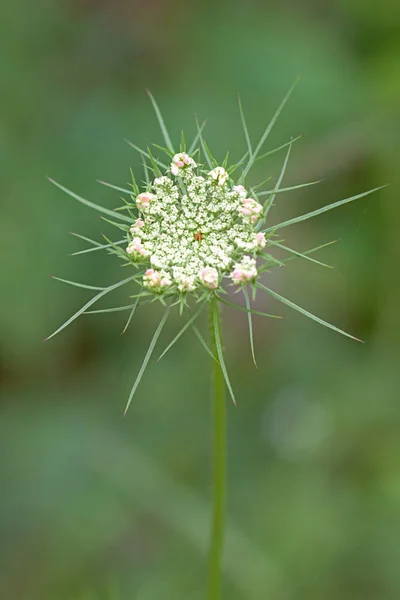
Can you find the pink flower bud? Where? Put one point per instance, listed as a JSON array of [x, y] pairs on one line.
[[260, 240], [244, 272], [143, 200], [219, 175], [251, 208], [239, 189], [209, 277], [181, 160]]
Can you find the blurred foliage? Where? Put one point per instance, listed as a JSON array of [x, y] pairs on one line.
[[94, 506]]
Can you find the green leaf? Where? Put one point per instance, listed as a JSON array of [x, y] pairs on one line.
[[300, 254], [196, 139], [267, 131], [147, 358], [163, 128], [80, 285], [289, 189], [92, 301], [182, 331], [247, 300], [115, 187], [246, 132], [218, 345], [99, 247], [90, 204], [134, 307], [319, 211], [305, 312], [145, 154], [204, 343]]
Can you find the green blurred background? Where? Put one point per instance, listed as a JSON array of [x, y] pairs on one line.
[[94, 506]]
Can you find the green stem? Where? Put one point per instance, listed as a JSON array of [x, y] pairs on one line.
[[219, 464]]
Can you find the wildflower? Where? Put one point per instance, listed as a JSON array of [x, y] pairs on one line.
[[245, 271], [219, 175], [209, 277], [194, 236]]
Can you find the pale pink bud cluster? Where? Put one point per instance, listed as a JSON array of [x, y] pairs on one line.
[[156, 280], [186, 284], [180, 161], [219, 175], [239, 189], [245, 271], [209, 277], [251, 208], [136, 248], [144, 200], [260, 240]]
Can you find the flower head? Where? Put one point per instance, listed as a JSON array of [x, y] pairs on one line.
[[193, 232]]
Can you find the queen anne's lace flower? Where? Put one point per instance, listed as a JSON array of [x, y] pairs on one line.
[[194, 232]]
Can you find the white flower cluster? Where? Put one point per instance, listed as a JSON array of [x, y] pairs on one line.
[[196, 230]]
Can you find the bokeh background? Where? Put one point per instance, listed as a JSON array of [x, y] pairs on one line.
[[96, 506]]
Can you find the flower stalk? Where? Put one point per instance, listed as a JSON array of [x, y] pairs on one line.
[[218, 461]]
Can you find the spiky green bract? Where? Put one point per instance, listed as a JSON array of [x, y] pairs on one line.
[[305, 312], [216, 323], [250, 321], [299, 254], [160, 119], [267, 132], [147, 357], [99, 247], [182, 331], [203, 342], [320, 211], [134, 307], [104, 291], [272, 196], [101, 209]]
